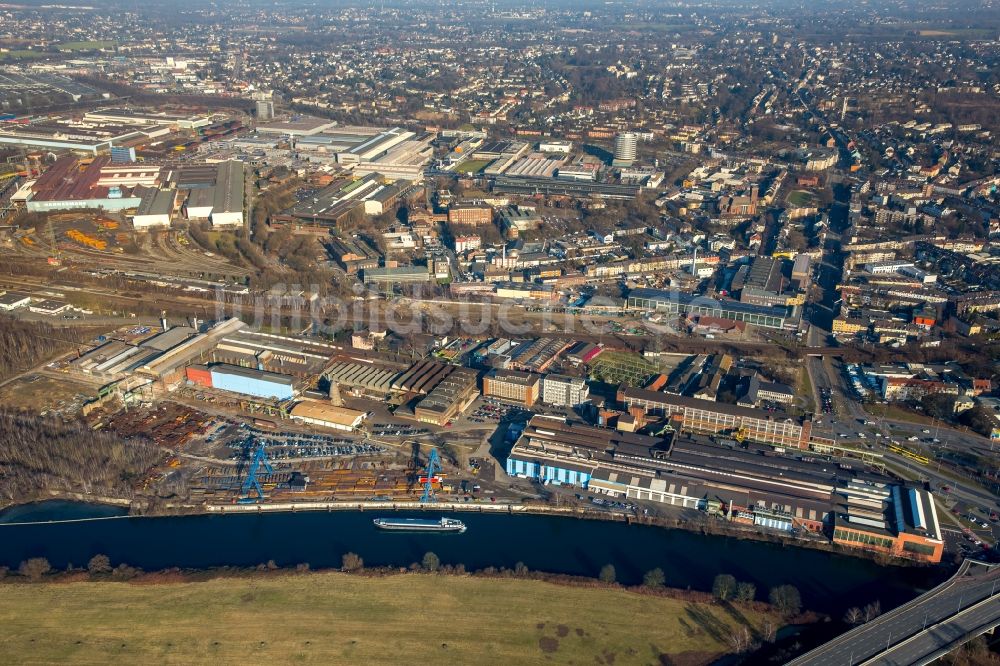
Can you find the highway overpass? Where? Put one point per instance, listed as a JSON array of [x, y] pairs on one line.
[[935, 623]]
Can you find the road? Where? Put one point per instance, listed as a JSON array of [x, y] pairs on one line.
[[851, 424], [916, 631], [945, 636]]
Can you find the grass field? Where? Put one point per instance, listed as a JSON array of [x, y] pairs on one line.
[[24, 53], [86, 46], [897, 414], [801, 198], [334, 618], [806, 390], [472, 166]]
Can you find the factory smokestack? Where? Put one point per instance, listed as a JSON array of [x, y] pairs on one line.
[[163, 321]]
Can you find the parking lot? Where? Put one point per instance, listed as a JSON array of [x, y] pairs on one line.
[[826, 400], [491, 410], [395, 430]]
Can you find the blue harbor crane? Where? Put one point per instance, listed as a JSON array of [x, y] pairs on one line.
[[252, 482], [433, 466]]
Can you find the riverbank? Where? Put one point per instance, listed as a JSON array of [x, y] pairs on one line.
[[712, 526], [329, 618], [58, 495], [690, 559], [708, 526]]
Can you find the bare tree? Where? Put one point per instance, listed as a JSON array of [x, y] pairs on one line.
[[654, 578], [723, 586], [786, 599], [853, 615], [50, 454], [431, 562], [746, 592], [99, 564], [352, 562], [34, 568], [741, 640]]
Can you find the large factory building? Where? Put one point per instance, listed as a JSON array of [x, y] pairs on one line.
[[258, 383], [674, 302], [752, 486]]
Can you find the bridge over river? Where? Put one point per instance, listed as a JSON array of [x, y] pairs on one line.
[[932, 625]]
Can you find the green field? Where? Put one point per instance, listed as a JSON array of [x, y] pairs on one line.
[[472, 166], [801, 198], [86, 46], [334, 618], [24, 53]]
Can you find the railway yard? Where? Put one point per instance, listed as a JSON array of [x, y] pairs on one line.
[[97, 242]]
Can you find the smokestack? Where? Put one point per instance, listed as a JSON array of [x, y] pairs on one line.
[[194, 323], [163, 321], [694, 262]]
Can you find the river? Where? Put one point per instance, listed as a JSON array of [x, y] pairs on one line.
[[828, 582]]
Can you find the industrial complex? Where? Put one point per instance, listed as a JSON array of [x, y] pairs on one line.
[[152, 195], [741, 464], [744, 485], [694, 266]]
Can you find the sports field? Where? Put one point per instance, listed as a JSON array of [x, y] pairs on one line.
[[334, 618]]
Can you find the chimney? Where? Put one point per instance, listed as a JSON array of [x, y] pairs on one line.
[[163, 321]]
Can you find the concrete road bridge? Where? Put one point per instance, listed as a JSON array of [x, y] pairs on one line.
[[923, 630]]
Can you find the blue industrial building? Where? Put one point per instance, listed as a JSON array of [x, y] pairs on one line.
[[547, 473], [248, 381], [122, 154]]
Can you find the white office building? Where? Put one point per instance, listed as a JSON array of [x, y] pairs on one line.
[[564, 391]]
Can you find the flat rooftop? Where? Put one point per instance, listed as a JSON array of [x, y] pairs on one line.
[[305, 125], [228, 196], [695, 403], [514, 377], [156, 202]]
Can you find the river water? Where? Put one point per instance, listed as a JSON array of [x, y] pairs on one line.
[[828, 582]]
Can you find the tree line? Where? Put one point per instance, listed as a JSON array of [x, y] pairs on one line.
[[25, 344], [40, 454]]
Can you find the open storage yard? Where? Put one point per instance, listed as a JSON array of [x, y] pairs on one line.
[[333, 618], [95, 240], [46, 393]]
